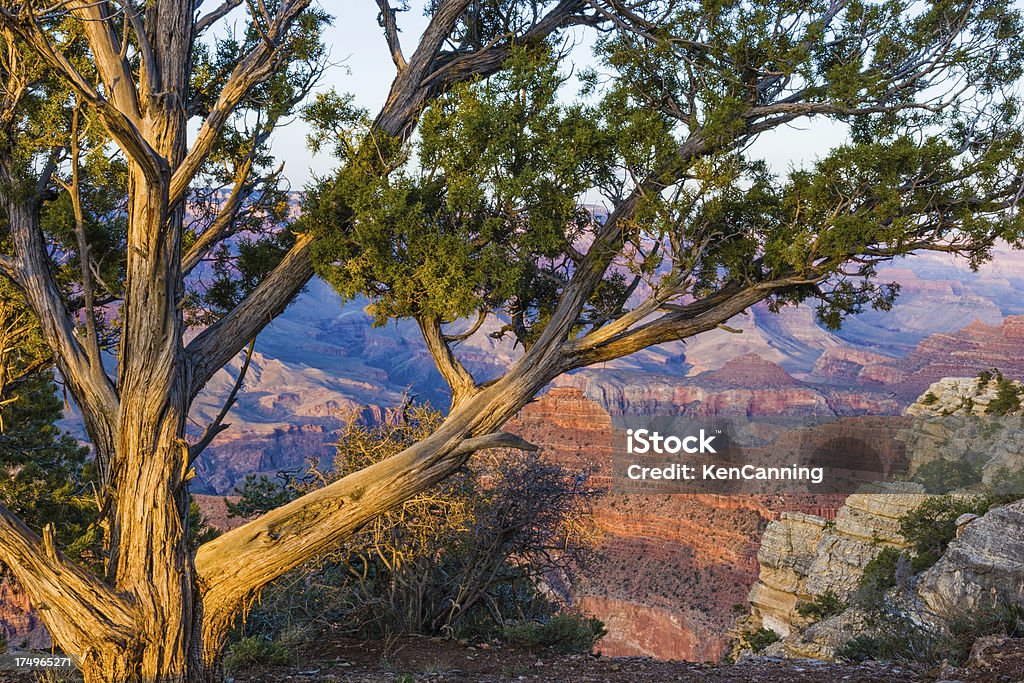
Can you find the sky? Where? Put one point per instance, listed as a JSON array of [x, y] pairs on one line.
[[364, 68]]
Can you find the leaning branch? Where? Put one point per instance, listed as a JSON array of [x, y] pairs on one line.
[[452, 370], [254, 68], [218, 344], [681, 323], [387, 21], [121, 124], [77, 607]]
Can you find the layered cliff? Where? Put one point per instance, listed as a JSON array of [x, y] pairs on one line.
[[804, 556], [803, 559], [658, 550]]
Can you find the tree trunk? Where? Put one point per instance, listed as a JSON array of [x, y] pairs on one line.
[[150, 562]]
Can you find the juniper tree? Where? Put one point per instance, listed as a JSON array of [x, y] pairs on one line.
[[127, 113]]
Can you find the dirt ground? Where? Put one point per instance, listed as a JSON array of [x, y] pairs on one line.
[[415, 660], [411, 660]]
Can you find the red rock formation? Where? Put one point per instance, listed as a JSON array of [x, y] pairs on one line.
[[20, 625], [964, 353], [671, 567], [748, 371]]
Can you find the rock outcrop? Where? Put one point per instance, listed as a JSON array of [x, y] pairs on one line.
[[803, 556], [981, 568]]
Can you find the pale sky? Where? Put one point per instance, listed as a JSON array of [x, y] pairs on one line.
[[365, 69]]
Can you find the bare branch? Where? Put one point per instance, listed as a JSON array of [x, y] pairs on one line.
[[463, 336], [105, 46], [679, 323], [494, 440], [454, 373], [74, 190], [386, 20], [216, 15], [76, 606], [218, 426], [222, 224], [120, 123], [258, 65]]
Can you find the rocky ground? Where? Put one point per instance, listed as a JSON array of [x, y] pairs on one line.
[[411, 660], [416, 659]]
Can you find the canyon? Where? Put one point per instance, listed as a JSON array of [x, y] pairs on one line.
[[675, 569]]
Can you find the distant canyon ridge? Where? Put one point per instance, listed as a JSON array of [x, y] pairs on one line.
[[322, 360]]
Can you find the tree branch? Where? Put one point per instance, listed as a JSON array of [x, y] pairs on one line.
[[215, 15], [112, 66], [218, 344], [74, 190], [386, 20], [76, 607], [494, 440], [222, 224], [681, 323], [252, 70], [119, 123], [454, 373]]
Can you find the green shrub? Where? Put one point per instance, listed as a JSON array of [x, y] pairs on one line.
[[1006, 485], [878, 577], [897, 638], [256, 651], [929, 399], [1007, 398], [942, 476], [463, 558], [758, 640], [984, 377], [968, 626], [932, 525], [822, 606], [563, 633]]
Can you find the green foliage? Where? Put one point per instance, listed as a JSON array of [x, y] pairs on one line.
[[562, 633], [942, 476], [757, 640], [929, 399], [1007, 400], [931, 526], [985, 376], [1006, 485], [253, 651], [482, 219], [878, 577], [259, 494], [894, 637], [486, 210], [821, 606], [45, 476]]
